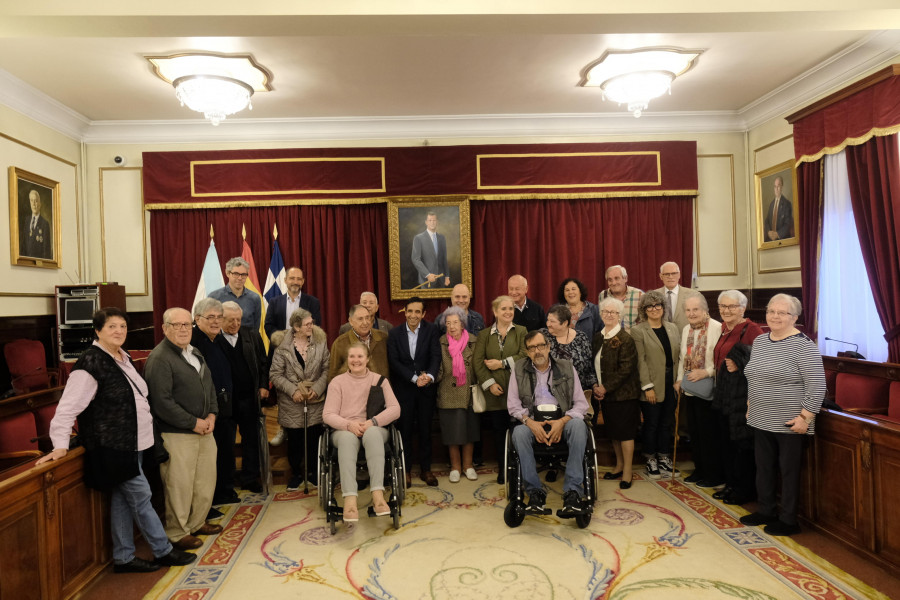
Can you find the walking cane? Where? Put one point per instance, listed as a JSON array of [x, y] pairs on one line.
[[305, 447], [675, 441]]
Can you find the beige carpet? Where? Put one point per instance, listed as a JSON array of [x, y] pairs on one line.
[[656, 540]]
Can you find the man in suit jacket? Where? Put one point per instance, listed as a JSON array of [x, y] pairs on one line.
[[250, 375], [779, 223], [35, 234], [360, 331], [674, 294], [429, 255], [414, 354], [370, 301], [281, 308]]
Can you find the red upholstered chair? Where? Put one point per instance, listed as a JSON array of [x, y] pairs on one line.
[[858, 393], [28, 366], [893, 413], [16, 433], [139, 358]]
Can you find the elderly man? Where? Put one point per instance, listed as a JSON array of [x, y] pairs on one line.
[[360, 331], [281, 308], [429, 255], [238, 270], [414, 355], [207, 338], [183, 401], [35, 234], [460, 297], [529, 314], [779, 222], [542, 387], [370, 301], [674, 294], [618, 288], [250, 376]]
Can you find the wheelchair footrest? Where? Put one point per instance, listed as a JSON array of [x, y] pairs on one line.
[[562, 513], [538, 512]]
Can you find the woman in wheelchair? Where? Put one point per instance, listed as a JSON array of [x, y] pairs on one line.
[[345, 412]]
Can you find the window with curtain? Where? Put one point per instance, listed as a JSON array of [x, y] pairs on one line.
[[846, 304]]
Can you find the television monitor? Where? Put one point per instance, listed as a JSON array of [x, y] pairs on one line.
[[79, 311]]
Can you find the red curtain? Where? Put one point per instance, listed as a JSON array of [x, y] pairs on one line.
[[809, 189], [344, 249], [874, 172]]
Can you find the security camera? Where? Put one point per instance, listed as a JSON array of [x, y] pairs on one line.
[[119, 161]]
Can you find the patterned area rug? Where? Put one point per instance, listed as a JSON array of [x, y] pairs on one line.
[[658, 539]]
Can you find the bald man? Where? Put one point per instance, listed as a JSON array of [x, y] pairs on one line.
[[35, 234], [529, 314], [460, 298]]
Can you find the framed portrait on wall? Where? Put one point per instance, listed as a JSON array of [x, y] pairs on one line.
[[430, 247], [777, 212], [34, 223]]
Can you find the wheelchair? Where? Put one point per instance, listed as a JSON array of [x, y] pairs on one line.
[[548, 457], [329, 476]]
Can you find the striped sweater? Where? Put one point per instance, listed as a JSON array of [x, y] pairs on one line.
[[783, 377]]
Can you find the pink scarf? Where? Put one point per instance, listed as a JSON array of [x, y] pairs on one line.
[[456, 348]]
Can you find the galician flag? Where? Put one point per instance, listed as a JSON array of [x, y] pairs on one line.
[[211, 278], [253, 285], [275, 285]]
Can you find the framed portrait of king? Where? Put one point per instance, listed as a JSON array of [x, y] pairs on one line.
[[430, 247], [777, 212], [34, 222]]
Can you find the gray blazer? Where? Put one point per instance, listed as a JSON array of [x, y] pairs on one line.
[[678, 315], [651, 357]]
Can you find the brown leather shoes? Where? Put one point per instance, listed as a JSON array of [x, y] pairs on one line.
[[188, 542], [208, 529], [429, 479]]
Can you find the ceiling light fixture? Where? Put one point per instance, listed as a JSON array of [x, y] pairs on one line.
[[634, 77], [218, 85]]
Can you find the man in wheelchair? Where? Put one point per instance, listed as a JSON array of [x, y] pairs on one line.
[[545, 396]]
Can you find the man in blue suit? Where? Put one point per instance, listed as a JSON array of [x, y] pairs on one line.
[[429, 255], [414, 356], [281, 308]]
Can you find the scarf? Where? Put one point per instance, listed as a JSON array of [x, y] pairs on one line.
[[456, 348], [695, 357]]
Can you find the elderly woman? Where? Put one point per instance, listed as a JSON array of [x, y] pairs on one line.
[[299, 373], [658, 342], [585, 316], [696, 379], [571, 344], [730, 401], [109, 399], [617, 388], [459, 423], [345, 411], [496, 351], [785, 388]]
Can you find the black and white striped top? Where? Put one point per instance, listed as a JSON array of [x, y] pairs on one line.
[[783, 377]]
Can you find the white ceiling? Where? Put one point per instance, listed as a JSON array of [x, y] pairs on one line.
[[342, 69]]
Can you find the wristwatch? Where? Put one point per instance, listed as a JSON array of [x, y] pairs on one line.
[[374, 422]]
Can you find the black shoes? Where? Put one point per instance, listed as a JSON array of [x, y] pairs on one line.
[[694, 477], [253, 486], [214, 514], [624, 485], [721, 494], [571, 505], [294, 484], [710, 483], [226, 498], [136, 565], [176, 558], [610, 476], [536, 501], [781, 528], [755, 519]]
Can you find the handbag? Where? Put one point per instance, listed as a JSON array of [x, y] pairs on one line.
[[375, 402], [479, 404], [702, 389]]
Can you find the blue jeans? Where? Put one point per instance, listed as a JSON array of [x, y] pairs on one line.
[[575, 434], [130, 503]]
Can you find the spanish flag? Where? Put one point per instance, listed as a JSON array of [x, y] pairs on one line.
[[253, 285]]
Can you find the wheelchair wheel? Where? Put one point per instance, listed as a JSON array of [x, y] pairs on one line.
[[324, 480], [396, 518], [514, 514], [333, 527], [583, 520]]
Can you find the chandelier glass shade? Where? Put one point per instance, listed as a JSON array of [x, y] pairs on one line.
[[215, 96], [637, 89]]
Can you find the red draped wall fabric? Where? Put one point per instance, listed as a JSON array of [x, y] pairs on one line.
[[874, 172], [344, 249], [811, 209]]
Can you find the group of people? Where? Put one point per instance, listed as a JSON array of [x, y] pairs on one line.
[[751, 398]]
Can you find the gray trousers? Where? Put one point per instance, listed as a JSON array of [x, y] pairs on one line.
[[373, 440]]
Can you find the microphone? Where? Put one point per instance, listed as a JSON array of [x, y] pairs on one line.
[[849, 354]]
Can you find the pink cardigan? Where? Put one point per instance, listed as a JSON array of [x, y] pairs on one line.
[[347, 396]]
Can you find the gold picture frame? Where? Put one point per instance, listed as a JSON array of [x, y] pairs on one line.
[[35, 239], [412, 252], [783, 230]]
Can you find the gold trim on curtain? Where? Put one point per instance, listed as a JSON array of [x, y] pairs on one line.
[[856, 141]]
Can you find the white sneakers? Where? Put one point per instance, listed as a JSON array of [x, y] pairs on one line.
[[278, 438], [471, 475], [454, 476]]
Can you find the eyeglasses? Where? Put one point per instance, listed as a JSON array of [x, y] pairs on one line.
[[609, 313], [729, 307], [179, 325], [675, 274], [653, 306], [212, 318], [779, 313], [534, 347], [238, 274]]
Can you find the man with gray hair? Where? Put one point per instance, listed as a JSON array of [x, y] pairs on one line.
[[370, 301], [618, 288], [360, 331], [674, 294], [238, 270], [35, 233]]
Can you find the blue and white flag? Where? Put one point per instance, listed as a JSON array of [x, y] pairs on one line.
[[211, 278], [275, 285]]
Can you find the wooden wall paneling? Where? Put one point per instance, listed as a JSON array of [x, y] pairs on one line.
[[25, 561], [886, 465]]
